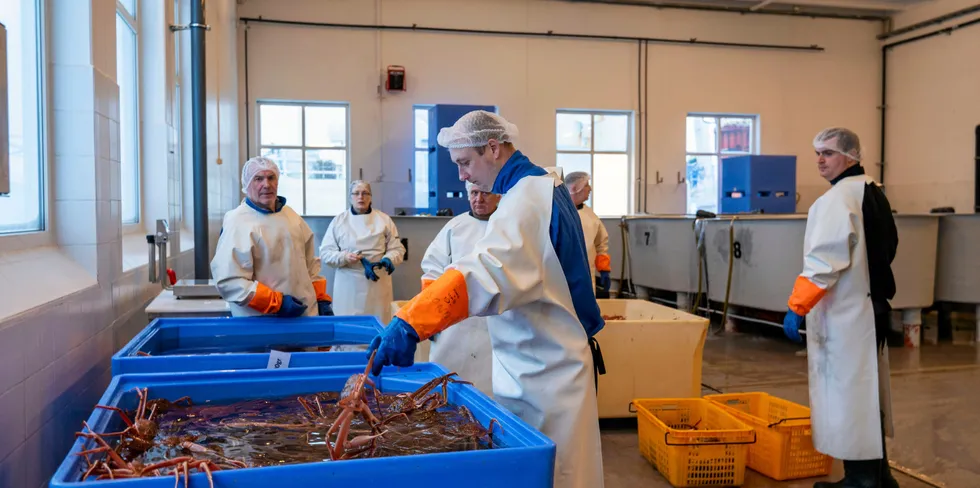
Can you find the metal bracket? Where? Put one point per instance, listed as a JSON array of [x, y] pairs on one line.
[[659, 180], [680, 179], [180, 27]]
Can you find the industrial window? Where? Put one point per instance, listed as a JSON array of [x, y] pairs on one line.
[[599, 144], [309, 142], [127, 76], [421, 172], [21, 187], [711, 138]]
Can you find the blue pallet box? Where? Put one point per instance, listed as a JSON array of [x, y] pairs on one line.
[[211, 344], [522, 457], [757, 183]]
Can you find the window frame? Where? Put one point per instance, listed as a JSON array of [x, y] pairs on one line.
[[13, 241], [416, 150], [629, 152], [132, 21], [753, 138], [303, 148]]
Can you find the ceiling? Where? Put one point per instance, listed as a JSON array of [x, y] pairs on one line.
[[849, 8]]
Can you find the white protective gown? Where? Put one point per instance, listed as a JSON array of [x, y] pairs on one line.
[[542, 364], [272, 248], [464, 347], [849, 382], [596, 237], [375, 235]]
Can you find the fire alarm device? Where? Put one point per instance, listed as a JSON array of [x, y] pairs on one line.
[[396, 78]]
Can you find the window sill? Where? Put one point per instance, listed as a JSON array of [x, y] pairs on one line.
[[39, 276], [186, 240], [12, 243], [134, 251]]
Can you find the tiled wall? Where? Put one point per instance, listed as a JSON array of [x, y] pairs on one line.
[[55, 358], [56, 366]]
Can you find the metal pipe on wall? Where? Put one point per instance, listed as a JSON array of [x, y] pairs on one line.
[[933, 21], [796, 11], [646, 121], [883, 108], [548, 34], [641, 180], [248, 127], [884, 96], [199, 127]]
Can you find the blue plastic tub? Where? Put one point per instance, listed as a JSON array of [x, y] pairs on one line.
[[526, 459], [212, 344]]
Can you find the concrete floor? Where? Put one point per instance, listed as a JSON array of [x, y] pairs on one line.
[[935, 395]]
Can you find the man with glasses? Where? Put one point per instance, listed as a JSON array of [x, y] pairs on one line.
[[464, 348], [529, 275]]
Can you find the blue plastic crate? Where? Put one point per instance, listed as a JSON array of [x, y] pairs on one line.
[[525, 457], [212, 344], [757, 183]]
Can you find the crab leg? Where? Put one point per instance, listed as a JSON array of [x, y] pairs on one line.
[[90, 469], [141, 409], [112, 454], [207, 471], [302, 401], [121, 413], [341, 426], [318, 406]]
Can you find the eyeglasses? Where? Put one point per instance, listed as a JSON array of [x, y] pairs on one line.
[[360, 194]]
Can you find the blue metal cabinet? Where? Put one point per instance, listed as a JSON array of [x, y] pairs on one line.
[[756, 183], [445, 189]]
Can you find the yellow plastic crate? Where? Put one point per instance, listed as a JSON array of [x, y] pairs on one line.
[[693, 442], [784, 450]]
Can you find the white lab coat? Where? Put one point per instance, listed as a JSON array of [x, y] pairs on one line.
[[275, 249], [375, 235], [596, 237], [542, 364], [464, 347], [849, 382]]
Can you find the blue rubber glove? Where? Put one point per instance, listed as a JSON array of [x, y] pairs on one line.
[[604, 281], [324, 308], [395, 346], [369, 269], [291, 307], [791, 326], [388, 265]]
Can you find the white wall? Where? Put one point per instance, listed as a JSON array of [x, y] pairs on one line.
[[796, 94], [66, 308], [933, 110]]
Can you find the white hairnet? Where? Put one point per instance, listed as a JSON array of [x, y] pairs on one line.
[[576, 180], [839, 140], [471, 186], [253, 166], [475, 129], [356, 183]]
